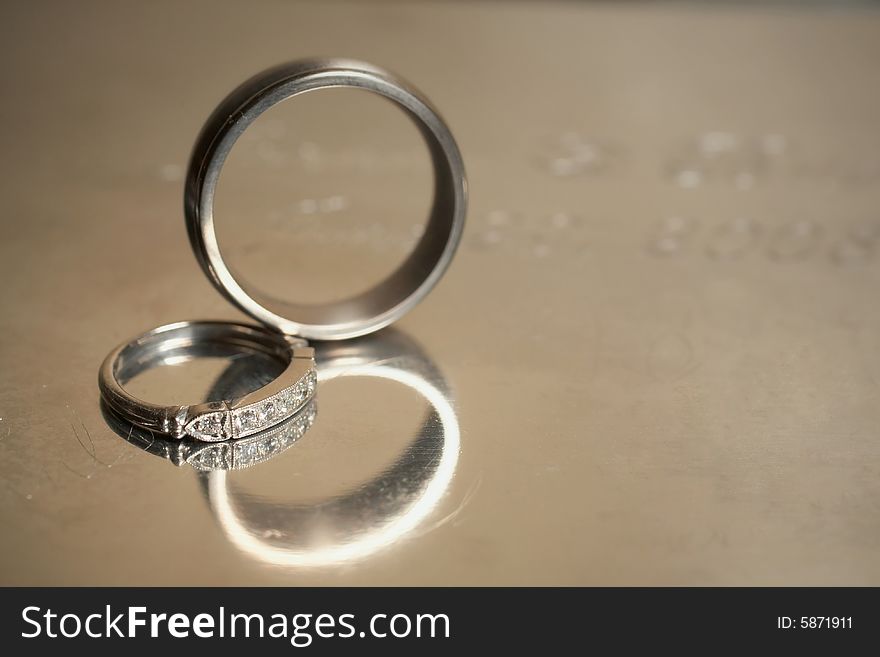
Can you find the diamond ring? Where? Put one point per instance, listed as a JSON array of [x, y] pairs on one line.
[[211, 421]]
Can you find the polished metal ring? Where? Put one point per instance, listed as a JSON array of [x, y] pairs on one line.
[[392, 297], [211, 421]]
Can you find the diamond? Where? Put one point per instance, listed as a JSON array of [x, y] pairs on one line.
[[267, 411], [246, 420], [290, 398], [208, 427]]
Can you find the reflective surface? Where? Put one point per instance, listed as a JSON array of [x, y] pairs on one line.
[[378, 513], [655, 359]]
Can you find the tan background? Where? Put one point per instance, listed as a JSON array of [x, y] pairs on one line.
[[661, 334]]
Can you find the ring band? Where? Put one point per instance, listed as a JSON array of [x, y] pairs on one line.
[[211, 421], [404, 288]]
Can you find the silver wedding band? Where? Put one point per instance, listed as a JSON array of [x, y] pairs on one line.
[[392, 297]]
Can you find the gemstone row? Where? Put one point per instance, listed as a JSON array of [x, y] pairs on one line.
[[277, 408], [250, 419], [256, 449], [264, 446]]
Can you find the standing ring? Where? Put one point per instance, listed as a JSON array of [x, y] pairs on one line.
[[400, 291]]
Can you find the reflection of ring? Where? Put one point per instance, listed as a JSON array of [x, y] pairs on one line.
[[214, 420], [378, 513], [404, 288], [226, 455]]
